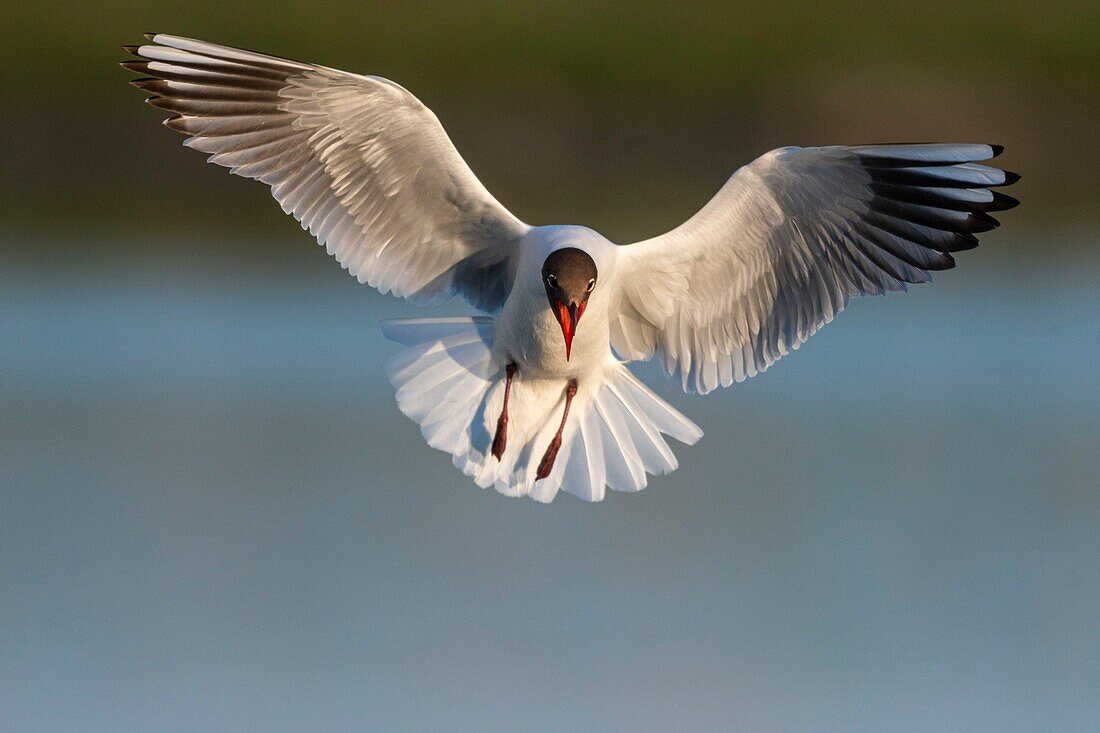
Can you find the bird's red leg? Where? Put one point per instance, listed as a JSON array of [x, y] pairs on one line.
[[546, 465], [500, 440]]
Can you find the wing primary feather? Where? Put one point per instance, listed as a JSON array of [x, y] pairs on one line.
[[952, 176], [937, 239], [958, 199], [964, 222]]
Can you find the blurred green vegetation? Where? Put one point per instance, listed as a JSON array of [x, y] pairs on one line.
[[620, 115]]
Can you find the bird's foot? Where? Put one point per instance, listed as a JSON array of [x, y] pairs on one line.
[[500, 439], [546, 465]]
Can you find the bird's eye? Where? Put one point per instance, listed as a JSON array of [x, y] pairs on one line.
[[552, 281], [591, 285]]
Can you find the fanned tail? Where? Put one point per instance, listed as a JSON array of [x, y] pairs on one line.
[[448, 382]]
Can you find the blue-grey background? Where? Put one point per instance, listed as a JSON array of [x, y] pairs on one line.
[[213, 517]]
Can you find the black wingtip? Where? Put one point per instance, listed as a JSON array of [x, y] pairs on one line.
[[1010, 178], [997, 150], [1001, 202], [980, 221], [131, 49], [151, 36], [963, 241]]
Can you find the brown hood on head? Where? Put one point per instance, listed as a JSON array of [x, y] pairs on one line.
[[569, 276]]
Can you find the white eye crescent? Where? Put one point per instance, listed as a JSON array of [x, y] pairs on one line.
[[552, 281], [591, 285]]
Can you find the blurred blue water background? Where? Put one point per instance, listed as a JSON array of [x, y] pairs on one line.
[[213, 517]]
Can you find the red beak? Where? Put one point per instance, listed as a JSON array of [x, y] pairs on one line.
[[567, 318]]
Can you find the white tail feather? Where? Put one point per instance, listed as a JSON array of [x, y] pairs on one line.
[[448, 383]]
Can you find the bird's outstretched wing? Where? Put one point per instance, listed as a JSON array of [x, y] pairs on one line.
[[358, 160], [788, 240]]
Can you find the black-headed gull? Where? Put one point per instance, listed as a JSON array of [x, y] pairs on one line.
[[534, 396]]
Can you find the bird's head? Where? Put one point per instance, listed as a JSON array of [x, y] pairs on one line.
[[569, 276]]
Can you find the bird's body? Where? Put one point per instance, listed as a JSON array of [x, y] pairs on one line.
[[453, 375], [534, 395]]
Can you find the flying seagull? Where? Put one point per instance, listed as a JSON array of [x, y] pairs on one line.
[[533, 396]]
